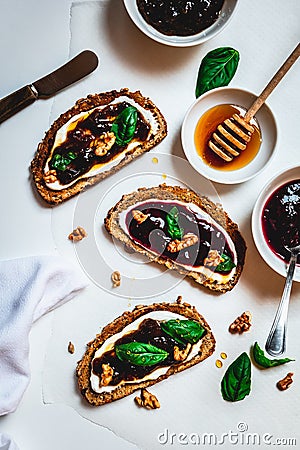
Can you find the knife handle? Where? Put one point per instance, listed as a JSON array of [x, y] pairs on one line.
[[16, 101]]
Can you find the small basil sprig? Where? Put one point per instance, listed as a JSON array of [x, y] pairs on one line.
[[226, 265], [183, 331], [60, 162], [236, 383], [140, 354], [260, 358], [174, 229], [124, 125], [217, 69]]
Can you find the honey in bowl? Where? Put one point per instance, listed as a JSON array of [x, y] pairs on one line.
[[207, 125]]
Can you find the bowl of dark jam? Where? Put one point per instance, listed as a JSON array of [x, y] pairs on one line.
[[276, 220], [202, 119], [180, 23]]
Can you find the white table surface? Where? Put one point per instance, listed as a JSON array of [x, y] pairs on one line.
[[35, 37]]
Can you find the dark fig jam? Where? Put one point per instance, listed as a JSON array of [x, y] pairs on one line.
[[281, 219], [180, 17], [79, 141], [153, 233], [149, 332]]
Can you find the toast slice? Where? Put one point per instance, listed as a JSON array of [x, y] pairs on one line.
[[104, 375], [83, 146], [182, 230]]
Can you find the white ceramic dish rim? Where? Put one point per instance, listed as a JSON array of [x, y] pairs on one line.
[[279, 179], [181, 41], [187, 138]]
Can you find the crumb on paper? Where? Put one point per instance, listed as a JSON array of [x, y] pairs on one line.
[[155, 160], [116, 278], [241, 323], [78, 234], [71, 348], [285, 383], [147, 400], [164, 176]]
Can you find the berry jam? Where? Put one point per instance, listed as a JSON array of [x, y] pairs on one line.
[[180, 17], [149, 332], [281, 219], [79, 141], [153, 233]]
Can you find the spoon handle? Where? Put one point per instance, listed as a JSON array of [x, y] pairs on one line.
[[272, 84], [276, 342]]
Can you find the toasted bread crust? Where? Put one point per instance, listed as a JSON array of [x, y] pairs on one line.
[[91, 101], [83, 370], [188, 196]]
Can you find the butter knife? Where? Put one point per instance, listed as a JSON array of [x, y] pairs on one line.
[[75, 69]]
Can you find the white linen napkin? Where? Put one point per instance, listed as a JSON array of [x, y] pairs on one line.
[[6, 443], [29, 287]]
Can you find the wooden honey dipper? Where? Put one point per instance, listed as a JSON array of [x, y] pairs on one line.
[[232, 136]]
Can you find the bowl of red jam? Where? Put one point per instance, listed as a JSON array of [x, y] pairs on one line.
[[180, 23], [276, 220]]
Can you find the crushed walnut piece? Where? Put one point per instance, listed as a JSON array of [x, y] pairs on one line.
[[71, 348], [77, 235], [147, 400], [102, 144], [241, 323], [213, 259], [116, 278], [285, 383], [139, 216], [181, 355], [50, 176], [188, 240], [106, 375]]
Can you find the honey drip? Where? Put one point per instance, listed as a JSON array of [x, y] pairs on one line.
[[208, 123]]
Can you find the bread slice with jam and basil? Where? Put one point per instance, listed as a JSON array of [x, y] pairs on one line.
[[182, 230], [99, 135], [141, 348]]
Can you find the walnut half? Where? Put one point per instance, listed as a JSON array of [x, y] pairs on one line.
[[213, 259], [188, 240], [139, 216], [181, 355], [78, 234], [106, 375], [116, 278], [241, 323], [50, 176], [147, 400], [103, 143]]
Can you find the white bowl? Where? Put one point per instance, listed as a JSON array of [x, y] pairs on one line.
[[270, 258], [232, 96], [181, 41]]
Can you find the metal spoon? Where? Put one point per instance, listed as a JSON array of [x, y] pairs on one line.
[[276, 342]]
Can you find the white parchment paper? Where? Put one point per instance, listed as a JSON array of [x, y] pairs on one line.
[[191, 402]]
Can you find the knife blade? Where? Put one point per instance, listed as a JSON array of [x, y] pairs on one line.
[[74, 70]]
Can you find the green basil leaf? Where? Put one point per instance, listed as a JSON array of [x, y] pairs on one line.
[[260, 358], [140, 354], [226, 265], [124, 125], [236, 383], [174, 229], [217, 69], [183, 331], [60, 162]]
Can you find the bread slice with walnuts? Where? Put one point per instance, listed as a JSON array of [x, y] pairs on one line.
[[55, 186], [206, 275], [110, 391]]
